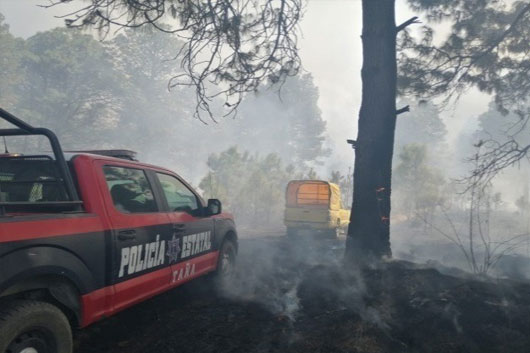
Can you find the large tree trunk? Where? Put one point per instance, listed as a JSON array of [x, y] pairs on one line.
[[369, 229]]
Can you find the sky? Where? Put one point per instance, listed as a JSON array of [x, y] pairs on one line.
[[330, 49]]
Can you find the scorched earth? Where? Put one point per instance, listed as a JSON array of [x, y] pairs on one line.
[[296, 296]]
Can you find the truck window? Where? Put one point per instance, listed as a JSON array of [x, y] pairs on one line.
[[179, 197], [130, 190], [313, 194], [30, 179], [303, 193]]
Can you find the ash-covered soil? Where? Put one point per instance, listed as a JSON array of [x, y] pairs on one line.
[[296, 296]]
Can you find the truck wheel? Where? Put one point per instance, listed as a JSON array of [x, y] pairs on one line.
[[334, 233], [34, 327], [226, 263], [291, 232], [338, 230]]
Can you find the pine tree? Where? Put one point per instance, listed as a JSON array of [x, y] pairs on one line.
[[248, 45]]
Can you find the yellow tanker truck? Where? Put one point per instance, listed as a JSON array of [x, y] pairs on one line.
[[314, 205]]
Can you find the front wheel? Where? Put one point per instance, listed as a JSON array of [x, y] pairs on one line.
[[226, 264], [28, 326]]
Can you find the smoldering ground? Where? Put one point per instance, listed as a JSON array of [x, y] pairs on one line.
[[297, 296], [275, 272]]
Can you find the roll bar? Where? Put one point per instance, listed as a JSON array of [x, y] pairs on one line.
[[24, 129]]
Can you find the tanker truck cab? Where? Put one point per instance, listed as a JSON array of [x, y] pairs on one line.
[[314, 206], [86, 234]]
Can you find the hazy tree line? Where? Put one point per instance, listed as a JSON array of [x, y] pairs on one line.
[[434, 205], [250, 185], [249, 43], [114, 94]]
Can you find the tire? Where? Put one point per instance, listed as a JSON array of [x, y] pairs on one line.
[[226, 263], [28, 326], [334, 233], [339, 230]]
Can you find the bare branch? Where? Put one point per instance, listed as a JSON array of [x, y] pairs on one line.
[[232, 47], [405, 109], [407, 23], [495, 158]]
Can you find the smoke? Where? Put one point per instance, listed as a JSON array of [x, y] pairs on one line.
[[271, 270], [305, 276], [268, 124]]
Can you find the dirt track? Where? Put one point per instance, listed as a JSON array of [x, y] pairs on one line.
[[295, 297]]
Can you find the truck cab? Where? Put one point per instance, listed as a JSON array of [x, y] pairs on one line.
[[314, 205], [84, 235]]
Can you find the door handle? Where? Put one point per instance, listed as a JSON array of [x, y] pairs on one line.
[[178, 227], [129, 234]]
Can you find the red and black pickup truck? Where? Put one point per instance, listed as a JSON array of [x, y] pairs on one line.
[[85, 235]]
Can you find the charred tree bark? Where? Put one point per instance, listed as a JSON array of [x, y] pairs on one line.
[[369, 229]]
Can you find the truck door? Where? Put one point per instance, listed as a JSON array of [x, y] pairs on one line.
[[140, 230], [190, 249]]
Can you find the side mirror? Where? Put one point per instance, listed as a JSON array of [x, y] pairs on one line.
[[214, 207]]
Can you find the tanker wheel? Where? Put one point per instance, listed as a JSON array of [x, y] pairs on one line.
[[292, 232], [334, 233]]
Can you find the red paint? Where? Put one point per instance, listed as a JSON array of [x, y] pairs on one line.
[[140, 288], [96, 201], [202, 264], [100, 212], [96, 304], [100, 215], [35, 229]]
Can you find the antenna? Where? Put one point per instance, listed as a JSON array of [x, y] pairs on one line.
[[5, 145]]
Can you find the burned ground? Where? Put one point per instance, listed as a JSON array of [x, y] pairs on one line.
[[295, 296]]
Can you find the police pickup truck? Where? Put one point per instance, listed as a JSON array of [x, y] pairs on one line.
[[85, 235]]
